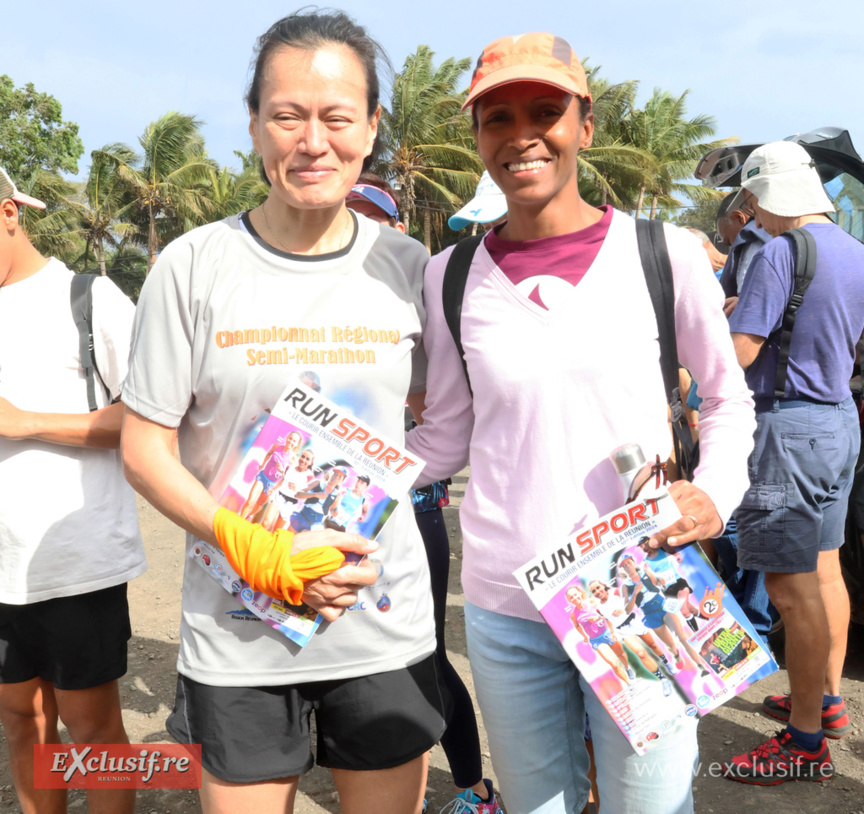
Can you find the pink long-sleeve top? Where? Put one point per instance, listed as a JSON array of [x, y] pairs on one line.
[[557, 388]]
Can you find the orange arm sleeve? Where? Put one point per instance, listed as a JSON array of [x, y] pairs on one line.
[[263, 558]]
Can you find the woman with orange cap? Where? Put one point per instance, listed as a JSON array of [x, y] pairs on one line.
[[555, 309]]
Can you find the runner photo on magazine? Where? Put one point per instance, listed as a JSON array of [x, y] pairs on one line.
[[651, 629], [311, 465]]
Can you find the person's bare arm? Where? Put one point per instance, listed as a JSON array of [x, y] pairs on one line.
[[747, 347], [99, 429], [579, 628], [152, 467], [336, 504]]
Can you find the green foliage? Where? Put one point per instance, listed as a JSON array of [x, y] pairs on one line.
[[612, 169], [701, 215], [127, 267], [676, 144], [51, 230], [102, 209], [427, 144], [170, 184], [133, 203], [232, 192], [33, 135]]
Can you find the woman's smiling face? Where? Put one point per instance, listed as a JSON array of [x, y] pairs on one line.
[[528, 135], [312, 129]]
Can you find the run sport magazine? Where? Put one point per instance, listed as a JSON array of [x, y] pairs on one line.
[[312, 464], [652, 631]]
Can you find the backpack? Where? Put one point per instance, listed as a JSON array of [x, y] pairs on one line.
[[805, 268], [81, 297]]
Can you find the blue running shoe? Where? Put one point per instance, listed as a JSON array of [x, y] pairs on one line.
[[467, 802]]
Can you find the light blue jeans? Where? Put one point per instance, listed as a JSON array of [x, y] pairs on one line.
[[534, 701]]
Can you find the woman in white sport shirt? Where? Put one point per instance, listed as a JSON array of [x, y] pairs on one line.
[[230, 314]]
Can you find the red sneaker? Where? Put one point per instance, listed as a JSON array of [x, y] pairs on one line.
[[835, 719], [780, 759]]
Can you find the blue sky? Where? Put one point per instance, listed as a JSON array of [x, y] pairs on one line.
[[789, 67]]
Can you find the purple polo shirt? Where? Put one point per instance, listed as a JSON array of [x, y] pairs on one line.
[[829, 321]]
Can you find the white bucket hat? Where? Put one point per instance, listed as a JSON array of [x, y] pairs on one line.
[[784, 179], [488, 204]]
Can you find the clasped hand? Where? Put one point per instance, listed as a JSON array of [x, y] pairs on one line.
[[330, 595]]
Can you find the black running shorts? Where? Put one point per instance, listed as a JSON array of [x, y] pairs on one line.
[[75, 642], [255, 734]]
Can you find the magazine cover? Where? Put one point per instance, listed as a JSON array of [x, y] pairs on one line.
[[312, 465], [652, 630]]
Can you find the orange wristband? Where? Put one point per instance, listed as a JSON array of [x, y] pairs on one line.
[[263, 558]]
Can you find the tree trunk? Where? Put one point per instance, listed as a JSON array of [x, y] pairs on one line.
[[603, 196], [151, 239], [407, 202], [427, 230], [100, 254], [653, 207], [639, 202]]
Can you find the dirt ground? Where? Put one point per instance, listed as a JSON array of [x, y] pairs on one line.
[[148, 692]]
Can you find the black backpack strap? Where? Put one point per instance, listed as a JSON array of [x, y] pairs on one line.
[[82, 312], [805, 268], [453, 291], [657, 268]]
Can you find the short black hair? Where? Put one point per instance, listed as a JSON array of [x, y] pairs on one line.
[[723, 209]]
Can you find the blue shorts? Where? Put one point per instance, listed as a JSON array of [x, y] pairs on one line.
[[603, 638], [801, 472], [266, 483], [305, 519], [654, 612]]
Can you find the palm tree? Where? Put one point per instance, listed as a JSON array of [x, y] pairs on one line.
[[676, 143], [101, 213], [232, 192], [426, 140], [169, 182], [612, 169], [51, 230]]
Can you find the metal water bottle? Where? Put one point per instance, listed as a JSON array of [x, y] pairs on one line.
[[632, 468]]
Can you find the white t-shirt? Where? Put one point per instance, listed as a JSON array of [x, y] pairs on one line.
[[295, 481], [615, 602], [68, 521], [224, 323]]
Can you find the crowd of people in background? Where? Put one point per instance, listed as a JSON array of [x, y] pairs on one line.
[[530, 394]]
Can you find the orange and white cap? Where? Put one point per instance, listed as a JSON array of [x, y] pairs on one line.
[[534, 57], [9, 190]]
